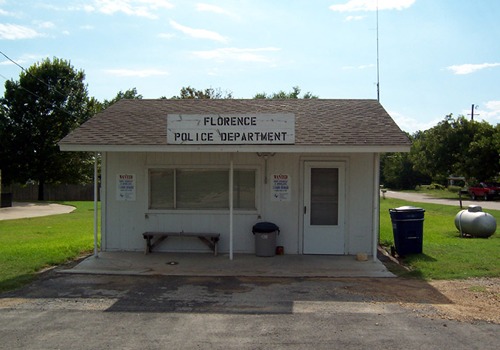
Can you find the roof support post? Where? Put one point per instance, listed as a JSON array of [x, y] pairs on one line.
[[376, 203], [96, 190], [231, 205]]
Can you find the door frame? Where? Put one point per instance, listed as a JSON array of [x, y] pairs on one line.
[[342, 164]]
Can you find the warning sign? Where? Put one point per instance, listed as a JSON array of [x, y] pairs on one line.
[[125, 187], [280, 188]]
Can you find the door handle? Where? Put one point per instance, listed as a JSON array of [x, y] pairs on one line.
[[305, 210]]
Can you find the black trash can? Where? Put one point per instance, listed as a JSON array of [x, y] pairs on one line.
[[408, 229], [265, 238]]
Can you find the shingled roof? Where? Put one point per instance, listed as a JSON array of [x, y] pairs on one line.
[[321, 123]]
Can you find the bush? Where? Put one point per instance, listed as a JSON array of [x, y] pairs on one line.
[[435, 186], [454, 189]]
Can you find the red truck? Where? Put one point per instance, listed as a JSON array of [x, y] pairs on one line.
[[484, 190]]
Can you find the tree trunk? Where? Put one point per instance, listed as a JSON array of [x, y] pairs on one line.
[[41, 193]]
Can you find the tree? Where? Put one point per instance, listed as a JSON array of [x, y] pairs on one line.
[[130, 94], [481, 160], [49, 100], [210, 93], [397, 170], [457, 146], [295, 93]]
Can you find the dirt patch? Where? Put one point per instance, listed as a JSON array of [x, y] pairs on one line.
[[471, 300], [476, 299]]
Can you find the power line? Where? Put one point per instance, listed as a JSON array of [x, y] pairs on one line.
[[41, 98], [27, 72]]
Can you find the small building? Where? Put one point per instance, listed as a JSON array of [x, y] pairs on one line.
[[311, 166]]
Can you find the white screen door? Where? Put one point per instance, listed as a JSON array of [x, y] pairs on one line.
[[324, 208]]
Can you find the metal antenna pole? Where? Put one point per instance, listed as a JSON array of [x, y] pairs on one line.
[[378, 64]]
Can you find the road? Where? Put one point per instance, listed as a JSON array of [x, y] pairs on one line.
[[423, 198]]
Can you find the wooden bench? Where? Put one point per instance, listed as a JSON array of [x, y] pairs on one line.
[[153, 239]]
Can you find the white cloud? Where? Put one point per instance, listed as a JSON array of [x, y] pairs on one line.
[[166, 35], [493, 105], [490, 112], [410, 124], [371, 5], [28, 58], [139, 73], [7, 13], [235, 54], [15, 32], [212, 8], [45, 25], [354, 18], [139, 8], [470, 68], [198, 33], [362, 66]]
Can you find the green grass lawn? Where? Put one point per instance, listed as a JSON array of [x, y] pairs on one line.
[[445, 255], [30, 245]]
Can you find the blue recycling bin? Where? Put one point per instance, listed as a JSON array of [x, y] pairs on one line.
[[408, 229]]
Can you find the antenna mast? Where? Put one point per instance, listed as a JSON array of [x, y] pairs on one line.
[[378, 70]]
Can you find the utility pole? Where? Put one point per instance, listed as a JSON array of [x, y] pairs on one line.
[[472, 112]]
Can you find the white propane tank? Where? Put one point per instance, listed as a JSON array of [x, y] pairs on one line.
[[475, 222]]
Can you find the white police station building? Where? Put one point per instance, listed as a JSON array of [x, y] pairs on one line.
[[311, 166]]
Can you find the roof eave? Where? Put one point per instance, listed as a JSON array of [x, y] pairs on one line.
[[237, 148]]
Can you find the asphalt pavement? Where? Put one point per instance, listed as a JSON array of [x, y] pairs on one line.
[[177, 312]]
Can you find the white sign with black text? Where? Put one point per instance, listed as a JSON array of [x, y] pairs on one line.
[[233, 129]]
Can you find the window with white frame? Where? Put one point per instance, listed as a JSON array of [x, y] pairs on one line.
[[186, 188]]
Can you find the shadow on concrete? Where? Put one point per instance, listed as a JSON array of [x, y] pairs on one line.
[[252, 295]]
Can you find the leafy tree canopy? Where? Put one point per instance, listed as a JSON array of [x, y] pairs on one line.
[[295, 93], [210, 93], [128, 94], [48, 101], [455, 146]]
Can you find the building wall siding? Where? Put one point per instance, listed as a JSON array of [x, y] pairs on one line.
[[127, 220]]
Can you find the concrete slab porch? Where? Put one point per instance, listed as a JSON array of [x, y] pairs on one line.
[[198, 264]]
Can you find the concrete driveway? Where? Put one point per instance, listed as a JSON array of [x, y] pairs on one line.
[[22, 210]]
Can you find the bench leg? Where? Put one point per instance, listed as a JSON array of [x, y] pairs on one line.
[[216, 243], [148, 245], [210, 242]]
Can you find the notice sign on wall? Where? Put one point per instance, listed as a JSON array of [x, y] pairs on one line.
[[235, 129], [125, 187], [280, 188]]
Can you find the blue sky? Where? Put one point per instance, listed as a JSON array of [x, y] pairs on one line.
[[435, 56]]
